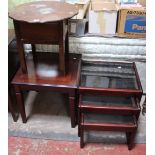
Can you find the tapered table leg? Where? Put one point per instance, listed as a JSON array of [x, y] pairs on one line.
[[130, 139], [11, 109], [81, 133], [79, 122], [20, 103], [72, 111]]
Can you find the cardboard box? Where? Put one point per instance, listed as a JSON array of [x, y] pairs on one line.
[[126, 1], [102, 18], [82, 6], [77, 27], [105, 1], [142, 2], [132, 22]]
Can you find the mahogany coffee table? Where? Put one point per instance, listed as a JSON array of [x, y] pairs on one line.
[[43, 75]]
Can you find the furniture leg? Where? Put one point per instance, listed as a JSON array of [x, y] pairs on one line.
[[81, 133], [79, 122], [79, 113], [20, 47], [130, 139], [11, 109], [62, 47], [72, 111], [144, 106], [67, 42], [33, 50], [20, 102], [62, 57]]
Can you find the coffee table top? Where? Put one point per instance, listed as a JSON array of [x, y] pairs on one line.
[[43, 11], [44, 71], [113, 75]]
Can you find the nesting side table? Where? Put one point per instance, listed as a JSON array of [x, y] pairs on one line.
[[110, 93], [42, 22], [43, 76]]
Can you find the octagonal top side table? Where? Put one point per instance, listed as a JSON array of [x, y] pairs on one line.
[[42, 22]]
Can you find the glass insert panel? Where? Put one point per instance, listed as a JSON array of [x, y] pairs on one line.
[[108, 75], [116, 119], [108, 101]]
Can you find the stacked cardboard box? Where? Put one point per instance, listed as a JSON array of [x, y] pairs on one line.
[[142, 2], [126, 1], [123, 18], [77, 25], [102, 17], [128, 16], [82, 6], [132, 21]]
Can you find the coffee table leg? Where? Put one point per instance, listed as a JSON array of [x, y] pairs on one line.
[[79, 118], [33, 51], [20, 103], [130, 139], [61, 48], [81, 132], [11, 109], [72, 110]]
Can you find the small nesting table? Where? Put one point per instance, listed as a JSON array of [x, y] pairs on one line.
[[43, 75], [110, 94], [42, 22]]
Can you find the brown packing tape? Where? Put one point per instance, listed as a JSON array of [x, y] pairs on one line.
[[82, 10], [122, 18], [101, 6], [142, 2], [101, 21]]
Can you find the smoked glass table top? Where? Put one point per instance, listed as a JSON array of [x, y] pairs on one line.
[[108, 75], [105, 118], [96, 100]]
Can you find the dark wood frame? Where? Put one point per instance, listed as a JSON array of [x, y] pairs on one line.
[[135, 112], [130, 130], [19, 88], [42, 33], [114, 91], [13, 65], [21, 85]]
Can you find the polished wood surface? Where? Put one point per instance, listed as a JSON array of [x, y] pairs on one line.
[[109, 70], [43, 11], [125, 109], [43, 75], [13, 65], [129, 128], [44, 71], [96, 80], [43, 22], [42, 33]]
